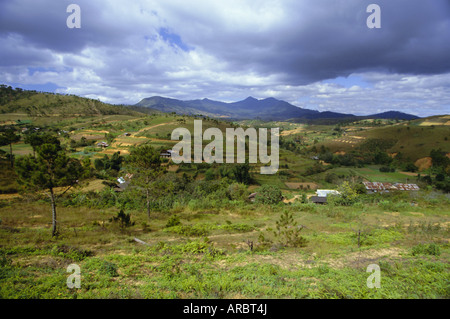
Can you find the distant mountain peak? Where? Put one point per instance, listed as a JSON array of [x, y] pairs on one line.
[[251, 108]]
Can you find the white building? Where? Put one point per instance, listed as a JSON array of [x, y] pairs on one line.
[[326, 192]]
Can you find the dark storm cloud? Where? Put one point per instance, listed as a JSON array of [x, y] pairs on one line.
[[128, 50], [42, 24], [326, 39]]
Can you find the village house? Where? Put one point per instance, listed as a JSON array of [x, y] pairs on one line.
[[123, 182], [318, 199], [166, 154], [377, 187], [102, 144], [252, 197], [321, 195]]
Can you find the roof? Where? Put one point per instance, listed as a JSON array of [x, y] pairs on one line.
[[121, 187], [318, 199], [377, 186], [326, 192], [102, 144], [405, 187], [166, 152]]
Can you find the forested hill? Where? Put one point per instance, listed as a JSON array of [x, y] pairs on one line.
[[34, 103]]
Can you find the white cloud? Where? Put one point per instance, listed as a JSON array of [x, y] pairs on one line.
[[292, 50]]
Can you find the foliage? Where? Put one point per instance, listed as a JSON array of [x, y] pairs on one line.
[[123, 219], [287, 231], [346, 197], [241, 173], [51, 168], [237, 191], [174, 220], [423, 249], [8, 136], [189, 230], [72, 253], [268, 195], [144, 163], [109, 268], [81, 143], [107, 163]]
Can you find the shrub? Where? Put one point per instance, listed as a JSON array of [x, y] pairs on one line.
[[237, 191], [188, 230], [68, 252], [422, 249], [268, 194], [288, 232], [109, 268], [347, 195], [174, 220], [123, 219], [238, 227]]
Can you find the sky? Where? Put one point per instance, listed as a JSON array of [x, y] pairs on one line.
[[315, 54]]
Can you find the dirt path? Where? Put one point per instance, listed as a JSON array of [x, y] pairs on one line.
[[149, 128]]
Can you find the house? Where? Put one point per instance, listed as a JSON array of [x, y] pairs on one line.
[[123, 183], [102, 144], [377, 187], [252, 197], [121, 187], [166, 154], [321, 195], [326, 192], [318, 199], [405, 187]]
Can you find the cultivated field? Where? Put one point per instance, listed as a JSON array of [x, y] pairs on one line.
[[204, 237]]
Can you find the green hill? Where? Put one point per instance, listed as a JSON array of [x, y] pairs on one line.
[[37, 104], [413, 139]]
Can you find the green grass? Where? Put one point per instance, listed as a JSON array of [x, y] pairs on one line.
[[179, 264], [372, 174]]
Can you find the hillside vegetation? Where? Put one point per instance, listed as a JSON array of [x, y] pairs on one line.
[[140, 226], [38, 104]]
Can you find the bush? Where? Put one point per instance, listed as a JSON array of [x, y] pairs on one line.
[[237, 191], [238, 227], [174, 220], [109, 268], [188, 230], [268, 194], [73, 253], [123, 219], [422, 249], [347, 195], [288, 232]]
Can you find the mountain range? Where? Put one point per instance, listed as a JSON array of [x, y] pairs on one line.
[[269, 109]]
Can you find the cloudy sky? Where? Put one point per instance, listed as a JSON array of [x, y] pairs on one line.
[[316, 54]]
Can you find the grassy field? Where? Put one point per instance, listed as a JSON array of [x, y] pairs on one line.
[[222, 248], [413, 141], [209, 257]]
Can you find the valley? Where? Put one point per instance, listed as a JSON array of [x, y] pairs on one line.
[[224, 230]]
